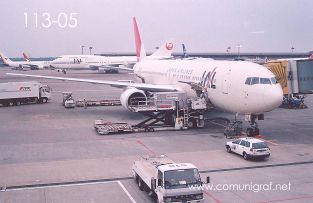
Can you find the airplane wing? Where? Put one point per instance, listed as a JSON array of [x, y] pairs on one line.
[[119, 84], [109, 67]]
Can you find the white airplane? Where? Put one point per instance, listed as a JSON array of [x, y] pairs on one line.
[[24, 65], [236, 86], [108, 63]]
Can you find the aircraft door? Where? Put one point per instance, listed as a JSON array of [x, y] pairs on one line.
[[226, 83]]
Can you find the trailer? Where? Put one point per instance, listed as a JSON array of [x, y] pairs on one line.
[[168, 181], [103, 128], [94, 102], [69, 102], [296, 79], [17, 93]]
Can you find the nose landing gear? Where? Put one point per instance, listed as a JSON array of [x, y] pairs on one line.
[[253, 130]]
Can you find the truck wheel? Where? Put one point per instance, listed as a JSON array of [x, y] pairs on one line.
[[140, 184], [44, 100], [18, 103], [11, 103], [191, 123]]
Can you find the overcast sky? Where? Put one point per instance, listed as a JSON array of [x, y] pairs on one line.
[[203, 25]]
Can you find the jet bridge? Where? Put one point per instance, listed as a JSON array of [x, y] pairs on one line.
[[296, 79]]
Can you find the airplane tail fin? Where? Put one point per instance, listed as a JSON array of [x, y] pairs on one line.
[[164, 51], [4, 59], [26, 58], [140, 51]]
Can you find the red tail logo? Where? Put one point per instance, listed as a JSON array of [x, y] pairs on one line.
[[169, 46], [25, 57]]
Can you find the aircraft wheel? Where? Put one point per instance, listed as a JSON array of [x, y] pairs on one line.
[[256, 131], [249, 132]]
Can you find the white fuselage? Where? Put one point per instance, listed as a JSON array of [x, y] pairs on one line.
[[90, 61], [28, 64], [95, 62], [223, 81]]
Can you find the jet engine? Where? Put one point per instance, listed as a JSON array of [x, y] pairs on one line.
[[133, 97]]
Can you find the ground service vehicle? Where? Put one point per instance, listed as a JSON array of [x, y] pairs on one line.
[[249, 147], [167, 180], [16, 93]]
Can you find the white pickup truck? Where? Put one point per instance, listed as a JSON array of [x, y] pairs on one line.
[[169, 181]]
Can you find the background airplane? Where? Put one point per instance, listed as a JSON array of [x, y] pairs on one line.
[[23, 65], [108, 64]]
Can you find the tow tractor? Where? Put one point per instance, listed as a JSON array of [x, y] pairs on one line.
[[164, 111]]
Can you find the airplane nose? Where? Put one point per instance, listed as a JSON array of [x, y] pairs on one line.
[[273, 97]]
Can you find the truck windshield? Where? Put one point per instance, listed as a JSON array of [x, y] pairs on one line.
[[181, 178]]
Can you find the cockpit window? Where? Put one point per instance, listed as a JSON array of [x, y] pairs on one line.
[[248, 81], [265, 81], [255, 80], [274, 81]]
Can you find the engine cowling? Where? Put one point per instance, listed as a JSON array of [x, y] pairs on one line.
[[132, 97]]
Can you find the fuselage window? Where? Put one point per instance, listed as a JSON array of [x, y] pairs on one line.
[[255, 80], [265, 81]]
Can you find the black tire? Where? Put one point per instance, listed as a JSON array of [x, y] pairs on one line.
[[18, 103], [191, 123], [256, 131], [228, 149], [140, 184], [11, 103], [156, 199], [250, 132], [245, 156], [44, 100]]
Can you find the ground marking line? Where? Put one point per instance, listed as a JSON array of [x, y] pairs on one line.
[[55, 186], [127, 193]]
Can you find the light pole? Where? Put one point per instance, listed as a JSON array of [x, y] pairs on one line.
[[239, 46], [292, 49], [90, 50], [82, 47]]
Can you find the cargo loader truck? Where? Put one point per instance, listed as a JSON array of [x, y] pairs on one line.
[[168, 181], [17, 93]]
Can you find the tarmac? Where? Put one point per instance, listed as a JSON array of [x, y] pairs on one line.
[[52, 154]]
